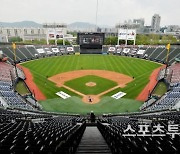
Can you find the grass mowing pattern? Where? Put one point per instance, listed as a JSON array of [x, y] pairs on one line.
[[43, 68], [102, 84], [138, 68], [107, 105]]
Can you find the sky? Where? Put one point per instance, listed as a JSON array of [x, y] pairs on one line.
[[110, 12]]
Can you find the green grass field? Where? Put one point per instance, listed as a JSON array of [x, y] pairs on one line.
[[160, 89], [137, 68], [75, 105], [21, 88], [79, 84]]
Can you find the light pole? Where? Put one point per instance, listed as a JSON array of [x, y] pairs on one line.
[[96, 13]]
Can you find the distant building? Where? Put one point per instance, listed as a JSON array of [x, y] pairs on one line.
[[24, 33], [173, 29], [3, 38], [148, 29], [155, 23], [55, 31], [32, 33], [137, 24], [109, 32]]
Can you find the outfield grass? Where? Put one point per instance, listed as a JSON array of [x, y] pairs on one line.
[[138, 68], [102, 84], [75, 105]]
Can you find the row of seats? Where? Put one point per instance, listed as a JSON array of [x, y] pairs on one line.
[[39, 132], [168, 101], [11, 115], [171, 98], [157, 54], [13, 99], [24, 53], [9, 98], [53, 50], [175, 73], [150, 133], [7, 72]]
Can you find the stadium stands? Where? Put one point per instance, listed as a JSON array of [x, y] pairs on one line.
[[175, 73], [150, 50], [9, 97], [25, 129], [112, 50], [155, 53], [28, 52], [172, 98], [7, 72], [20, 73], [31, 50], [161, 74], [48, 51], [143, 133], [39, 133], [20, 54]]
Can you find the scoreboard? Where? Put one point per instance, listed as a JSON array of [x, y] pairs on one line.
[[90, 40]]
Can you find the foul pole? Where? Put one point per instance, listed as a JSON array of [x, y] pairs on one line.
[[14, 50], [167, 55]]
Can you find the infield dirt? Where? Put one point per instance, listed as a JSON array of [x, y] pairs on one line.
[[120, 79]]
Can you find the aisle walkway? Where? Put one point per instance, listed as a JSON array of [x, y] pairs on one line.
[[93, 142]]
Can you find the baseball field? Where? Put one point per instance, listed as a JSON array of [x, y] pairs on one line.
[[90, 76]]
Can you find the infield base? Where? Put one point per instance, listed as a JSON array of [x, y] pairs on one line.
[[120, 79]]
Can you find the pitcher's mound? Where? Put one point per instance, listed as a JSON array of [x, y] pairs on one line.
[[90, 84]]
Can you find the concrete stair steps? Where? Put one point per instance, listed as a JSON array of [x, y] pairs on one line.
[[92, 142]]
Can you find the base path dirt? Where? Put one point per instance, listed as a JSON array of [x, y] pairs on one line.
[[120, 79], [32, 86], [143, 96]]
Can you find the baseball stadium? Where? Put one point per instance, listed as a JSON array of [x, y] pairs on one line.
[[120, 85], [89, 92]]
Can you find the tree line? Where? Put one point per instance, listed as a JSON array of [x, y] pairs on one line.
[[145, 39]]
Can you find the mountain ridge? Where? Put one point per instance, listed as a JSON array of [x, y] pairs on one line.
[[30, 24], [21, 24]]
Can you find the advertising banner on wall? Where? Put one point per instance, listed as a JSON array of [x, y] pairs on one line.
[[55, 33], [127, 34]]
